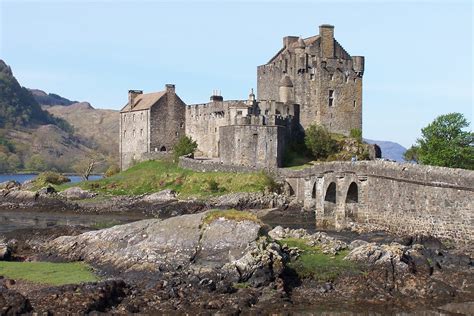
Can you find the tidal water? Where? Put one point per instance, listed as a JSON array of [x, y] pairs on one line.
[[28, 176]]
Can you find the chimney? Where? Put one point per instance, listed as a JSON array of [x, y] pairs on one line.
[[287, 40], [170, 88], [326, 32], [132, 94], [216, 96]]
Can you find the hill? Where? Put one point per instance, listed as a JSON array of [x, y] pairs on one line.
[[390, 150], [34, 139], [100, 127], [48, 99]]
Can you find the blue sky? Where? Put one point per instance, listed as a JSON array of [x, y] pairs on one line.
[[419, 61]]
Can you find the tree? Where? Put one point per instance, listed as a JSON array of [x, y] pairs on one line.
[[36, 163], [14, 162], [319, 142], [444, 142], [85, 167], [411, 154], [185, 146]]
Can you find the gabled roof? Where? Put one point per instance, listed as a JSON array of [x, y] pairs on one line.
[[144, 101], [306, 41]]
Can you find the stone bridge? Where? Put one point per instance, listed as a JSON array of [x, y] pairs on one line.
[[401, 198]]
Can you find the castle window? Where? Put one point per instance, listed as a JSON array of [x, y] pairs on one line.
[[181, 125], [141, 132], [124, 134], [347, 79], [355, 103], [142, 116], [331, 98], [311, 76], [239, 112], [134, 119], [176, 133], [331, 77], [133, 133], [286, 66], [355, 79]]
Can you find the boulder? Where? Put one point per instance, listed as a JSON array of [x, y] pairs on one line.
[[12, 302], [5, 251], [160, 197], [384, 254], [22, 195], [10, 185], [77, 193], [251, 200], [167, 245]]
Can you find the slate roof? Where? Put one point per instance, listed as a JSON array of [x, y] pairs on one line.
[[144, 101]]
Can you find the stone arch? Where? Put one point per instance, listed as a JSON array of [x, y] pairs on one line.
[[330, 199], [352, 201], [314, 191], [288, 189], [163, 148], [352, 193]]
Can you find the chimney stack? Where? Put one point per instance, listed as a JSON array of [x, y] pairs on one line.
[[170, 88], [326, 32], [132, 94]]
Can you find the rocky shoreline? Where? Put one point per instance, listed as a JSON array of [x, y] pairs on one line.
[[177, 260]]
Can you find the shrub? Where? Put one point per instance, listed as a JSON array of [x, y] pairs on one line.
[[213, 186], [185, 146], [319, 141], [356, 133], [50, 177], [112, 170]]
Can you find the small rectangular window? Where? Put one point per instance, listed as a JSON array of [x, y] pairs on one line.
[[355, 103], [331, 98]]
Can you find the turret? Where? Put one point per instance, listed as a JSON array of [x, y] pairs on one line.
[[358, 65], [286, 89]]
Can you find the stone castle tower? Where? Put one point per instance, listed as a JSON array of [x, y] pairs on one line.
[[317, 74]]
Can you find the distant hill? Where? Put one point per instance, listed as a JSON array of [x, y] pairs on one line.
[[49, 99], [100, 127], [390, 150], [32, 138]]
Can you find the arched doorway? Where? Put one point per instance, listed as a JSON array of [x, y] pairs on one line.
[[163, 148], [288, 189], [352, 200]]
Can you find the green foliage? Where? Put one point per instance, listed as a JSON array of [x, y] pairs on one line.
[[153, 176], [319, 142], [313, 263], [14, 162], [444, 142], [112, 170], [356, 133], [50, 177], [212, 186], [36, 163], [411, 154], [48, 272], [232, 214], [269, 181], [185, 146]]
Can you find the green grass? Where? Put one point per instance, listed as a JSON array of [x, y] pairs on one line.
[[313, 263], [48, 272], [153, 176], [231, 215]]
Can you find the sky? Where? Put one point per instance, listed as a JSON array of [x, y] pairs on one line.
[[418, 54]]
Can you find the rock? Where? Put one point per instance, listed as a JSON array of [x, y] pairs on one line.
[[162, 196], [168, 245], [77, 193], [225, 240], [10, 185], [21, 195], [465, 308], [5, 251], [327, 244], [375, 254], [12, 302], [251, 200], [46, 190], [357, 243]]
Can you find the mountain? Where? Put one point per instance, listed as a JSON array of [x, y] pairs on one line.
[[49, 99], [390, 150], [34, 139], [100, 127]]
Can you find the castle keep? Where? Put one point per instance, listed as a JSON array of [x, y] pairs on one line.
[[309, 81]]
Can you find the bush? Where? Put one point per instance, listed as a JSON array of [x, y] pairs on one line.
[[50, 177], [112, 170], [356, 133], [319, 142], [213, 186], [185, 146]]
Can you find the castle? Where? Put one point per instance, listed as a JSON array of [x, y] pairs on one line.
[[308, 81]]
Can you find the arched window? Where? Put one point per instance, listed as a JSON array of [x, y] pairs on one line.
[[163, 148]]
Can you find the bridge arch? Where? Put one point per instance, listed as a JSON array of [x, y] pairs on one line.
[[330, 198], [352, 201]]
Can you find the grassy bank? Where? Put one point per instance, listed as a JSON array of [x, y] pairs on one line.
[[313, 263], [48, 272], [153, 176]]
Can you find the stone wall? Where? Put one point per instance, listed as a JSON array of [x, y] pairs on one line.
[[260, 146], [204, 120], [134, 136], [401, 198], [207, 165], [167, 122]]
